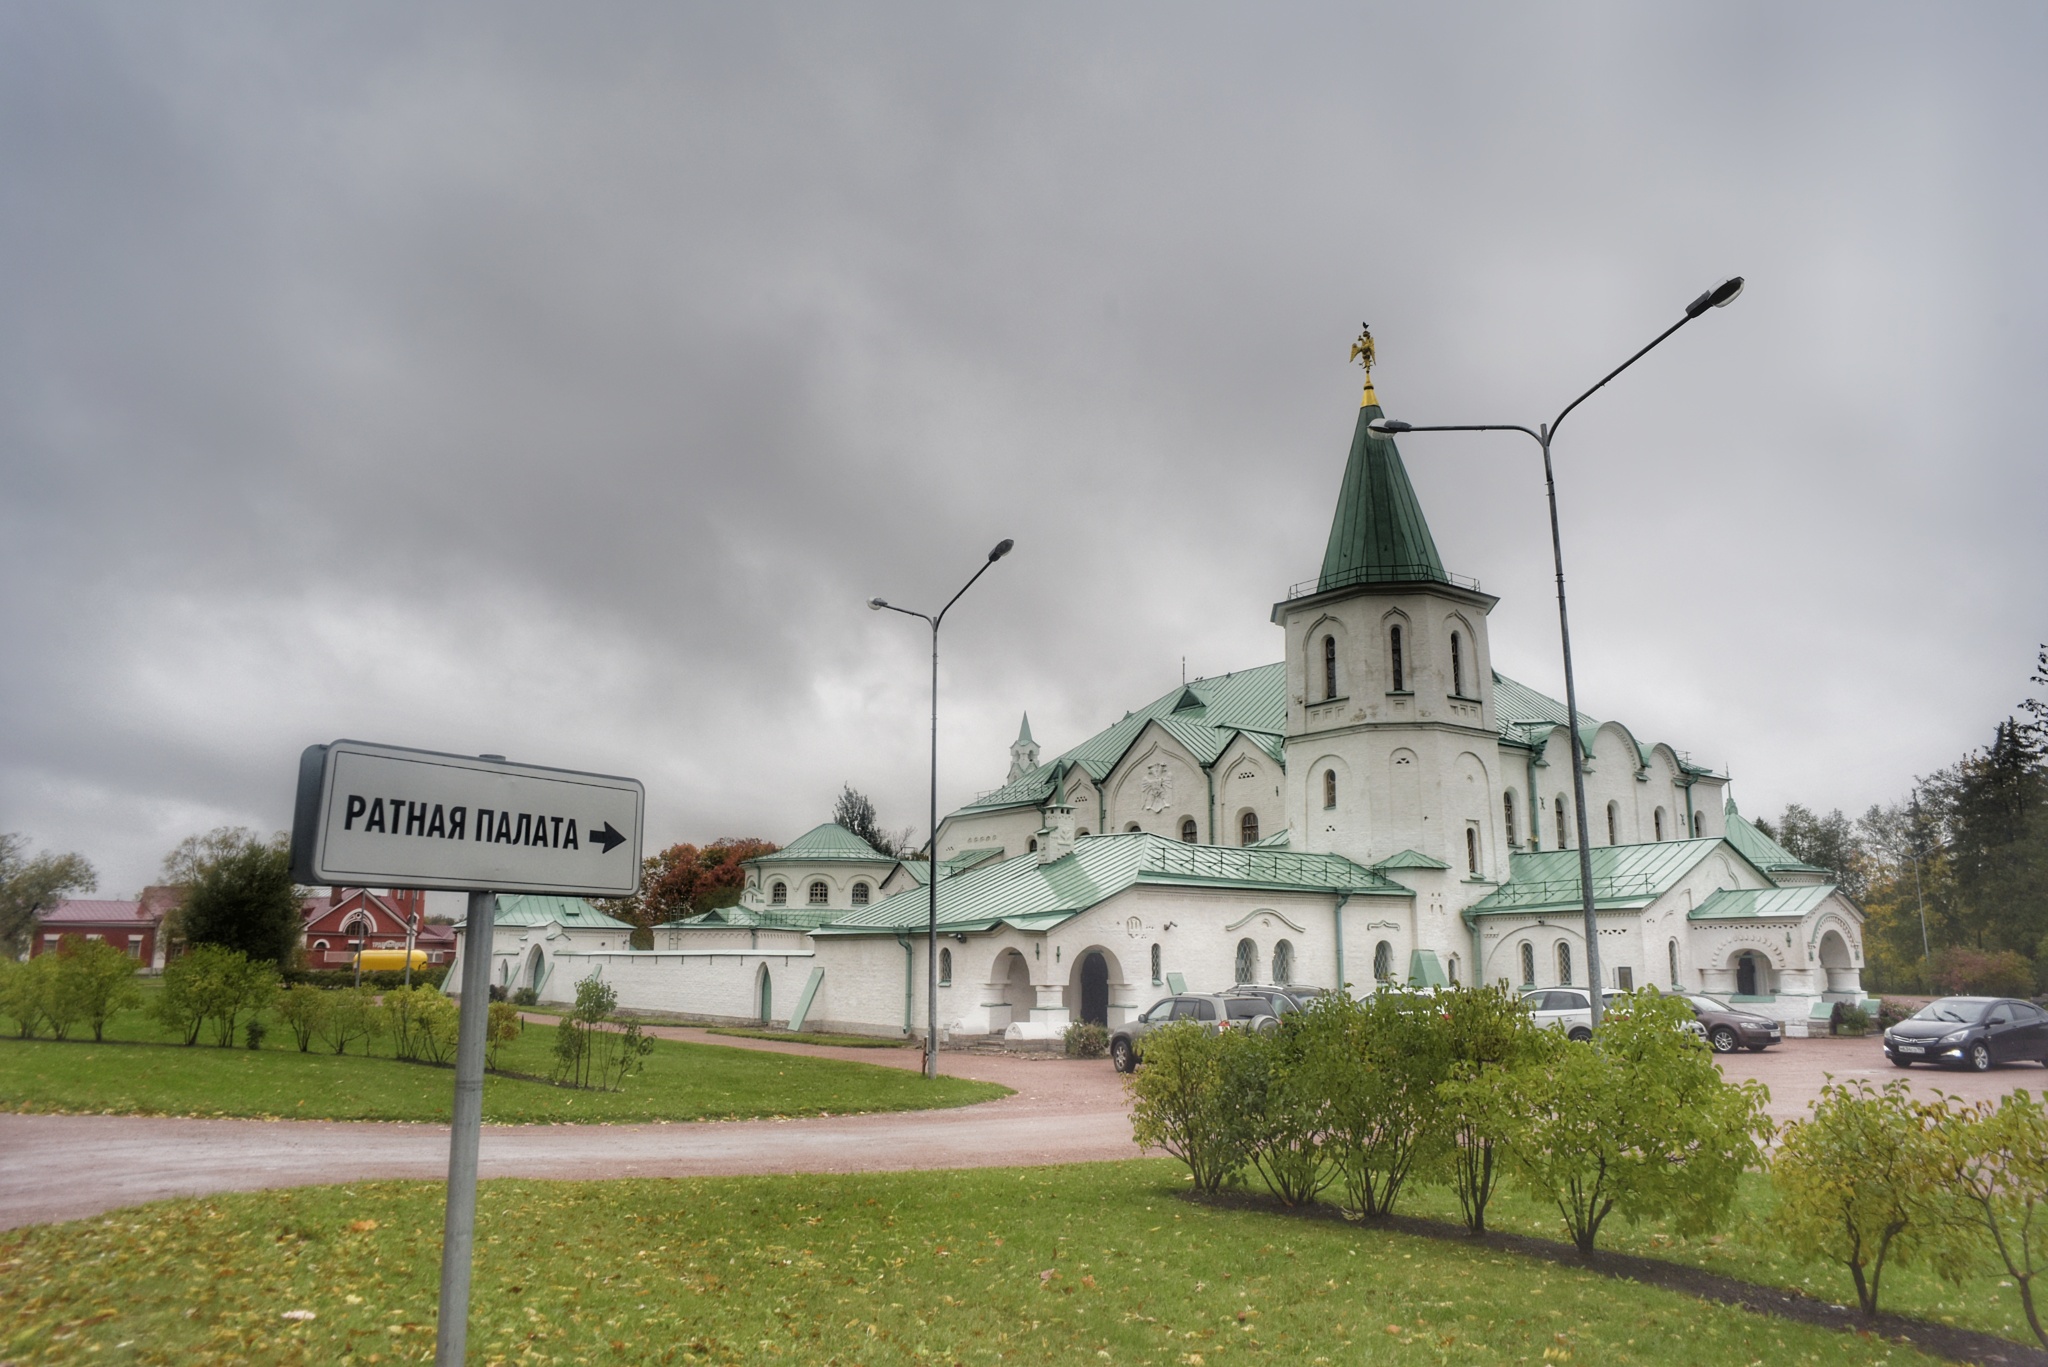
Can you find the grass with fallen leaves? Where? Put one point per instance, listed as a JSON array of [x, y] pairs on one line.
[[1103, 1263]]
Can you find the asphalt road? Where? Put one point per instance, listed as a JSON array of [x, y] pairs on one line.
[[1063, 1111]]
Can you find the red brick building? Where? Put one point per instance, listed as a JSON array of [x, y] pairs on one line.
[[348, 919], [136, 928]]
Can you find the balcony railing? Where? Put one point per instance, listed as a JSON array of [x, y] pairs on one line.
[[1388, 574]]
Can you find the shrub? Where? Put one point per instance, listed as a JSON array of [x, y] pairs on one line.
[[1849, 1020], [213, 983], [589, 1055], [1289, 1117], [1489, 1033], [526, 996], [423, 1024], [1376, 1065], [501, 1029], [90, 981], [380, 979], [352, 1014], [1997, 1166], [303, 1009], [1890, 1011], [25, 993], [1974, 972], [1860, 1183], [253, 1033], [1639, 1121], [1186, 1102], [1086, 1039]]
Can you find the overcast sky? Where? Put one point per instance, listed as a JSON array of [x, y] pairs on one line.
[[558, 381]]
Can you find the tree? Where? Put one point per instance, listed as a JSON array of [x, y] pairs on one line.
[[589, 1055], [1860, 1183], [352, 1014], [1997, 1167], [504, 1026], [1830, 842], [242, 898], [854, 811], [30, 884], [214, 983], [685, 880], [304, 1010], [92, 981], [25, 993]]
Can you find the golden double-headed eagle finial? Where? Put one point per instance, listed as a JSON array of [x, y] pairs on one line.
[[1362, 350]]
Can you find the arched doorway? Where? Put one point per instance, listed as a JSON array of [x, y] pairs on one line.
[[1095, 989], [1747, 975], [536, 969], [764, 991], [1015, 995], [1836, 964]]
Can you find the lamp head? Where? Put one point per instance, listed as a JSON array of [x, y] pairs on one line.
[[877, 604], [1002, 549], [1387, 427], [1719, 297]]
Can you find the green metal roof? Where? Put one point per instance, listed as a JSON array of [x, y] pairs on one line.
[[1759, 849], [1731, 904], [1379, 535], [1033, 896], [1624, 876], [529, 909], [1278, 840], [1410, 859], [765, 918], [830, 843], [1252, 702], [966, 859]]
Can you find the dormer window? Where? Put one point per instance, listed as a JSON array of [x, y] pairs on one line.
[[778, 893], [1329, 667], [818, 894], [1400, 672], [1457, 666]]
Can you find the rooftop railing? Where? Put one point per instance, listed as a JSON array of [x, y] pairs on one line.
[[1383, 574]]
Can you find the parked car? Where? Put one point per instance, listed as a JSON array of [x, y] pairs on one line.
[[1215, 1010], [1970, 1032], [1282, 999], [1729, 1029], [1562, 1008]]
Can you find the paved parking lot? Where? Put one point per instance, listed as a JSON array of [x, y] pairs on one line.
[[1796, 1070]]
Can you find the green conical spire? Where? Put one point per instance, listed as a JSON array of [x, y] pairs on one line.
[[1379, 535]]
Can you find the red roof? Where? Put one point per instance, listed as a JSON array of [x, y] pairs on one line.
[[72, 912]]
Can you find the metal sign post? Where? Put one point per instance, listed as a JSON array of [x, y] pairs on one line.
[[392, 817]]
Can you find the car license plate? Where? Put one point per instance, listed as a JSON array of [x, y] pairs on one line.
[[1912, 1049]]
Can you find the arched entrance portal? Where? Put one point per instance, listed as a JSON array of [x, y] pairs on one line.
[[1748, 976], [1836, 964], [1015, 995], [536, 969], [1095, 989], [765, 994]]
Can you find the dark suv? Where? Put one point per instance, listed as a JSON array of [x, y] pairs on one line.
[[1217, 1012], [1729, 1029]]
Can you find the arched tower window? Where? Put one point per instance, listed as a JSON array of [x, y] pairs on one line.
[[1383, 962], [1247, 966], [1329, 788], [1400, 671], [1031, 845], [778, 893], [1613, 819], [1528, 964], [1698, 824], [1329, 666], [1507, 811], [1564, 963], [1157, 977], [1187, 830], [1671, 952], [1248, 829], [1283, 963], [1560, 821], [1457, 666], [1451, 970], [1657, 823], [860, 894], [945, 968], [1472, 850], [818, 894]]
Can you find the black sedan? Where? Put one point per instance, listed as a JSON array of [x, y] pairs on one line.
[[1970, 1032]]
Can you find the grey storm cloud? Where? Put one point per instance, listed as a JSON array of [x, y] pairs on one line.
[[558, 381]]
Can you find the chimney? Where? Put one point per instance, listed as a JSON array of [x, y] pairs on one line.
[[1056, 837]]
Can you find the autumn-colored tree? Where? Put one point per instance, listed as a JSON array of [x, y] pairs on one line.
[[686, 880]]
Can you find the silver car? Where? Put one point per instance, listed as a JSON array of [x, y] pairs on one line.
[[1215, 1011]]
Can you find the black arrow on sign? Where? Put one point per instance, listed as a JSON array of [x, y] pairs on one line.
[[608, 838]]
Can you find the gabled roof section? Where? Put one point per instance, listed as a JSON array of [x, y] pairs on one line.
[[1744, 904], [830, 843], [1032, 896], [530, 909], [1624, 877], [1410, 859], [1249, 701], [1526, 717], [1759, 849], [966, 859], [1379, 535]]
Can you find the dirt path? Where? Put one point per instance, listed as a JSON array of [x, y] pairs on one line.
[[1063, 1112]]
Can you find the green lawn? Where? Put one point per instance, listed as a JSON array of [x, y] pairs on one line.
[[136, 1072], [1101, 1263]]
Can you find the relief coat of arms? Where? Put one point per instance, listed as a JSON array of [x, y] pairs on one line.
[[1157, 787]]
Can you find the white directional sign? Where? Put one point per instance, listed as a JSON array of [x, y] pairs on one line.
[[386, 816]]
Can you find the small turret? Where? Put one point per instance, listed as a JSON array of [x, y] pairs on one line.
[[1023, 752]]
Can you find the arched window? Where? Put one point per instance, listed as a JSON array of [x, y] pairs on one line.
[[1613, 815], [1247, 961], [1400, 671], [1329, 788], [1657, 823], [1187, 830], [860, 894], [1383, 962], [778, 894], [818, 895], [1283, 963], [1031, 845], [945, 968], [1248, 829], [1528, 964], [1698, 824], [1564, 963], [1451, 970], [1081, 834], [1472, 850], [1507, 810], [1560, 821], [1671, 952], [319, 944], [1132, 829], [1457, 667], [1157, 977], [1329, 666]]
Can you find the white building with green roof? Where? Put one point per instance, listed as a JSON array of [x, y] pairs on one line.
[[1380, 805]]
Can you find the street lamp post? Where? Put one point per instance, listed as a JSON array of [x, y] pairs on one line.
[[1718, 297], [931, 963]]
